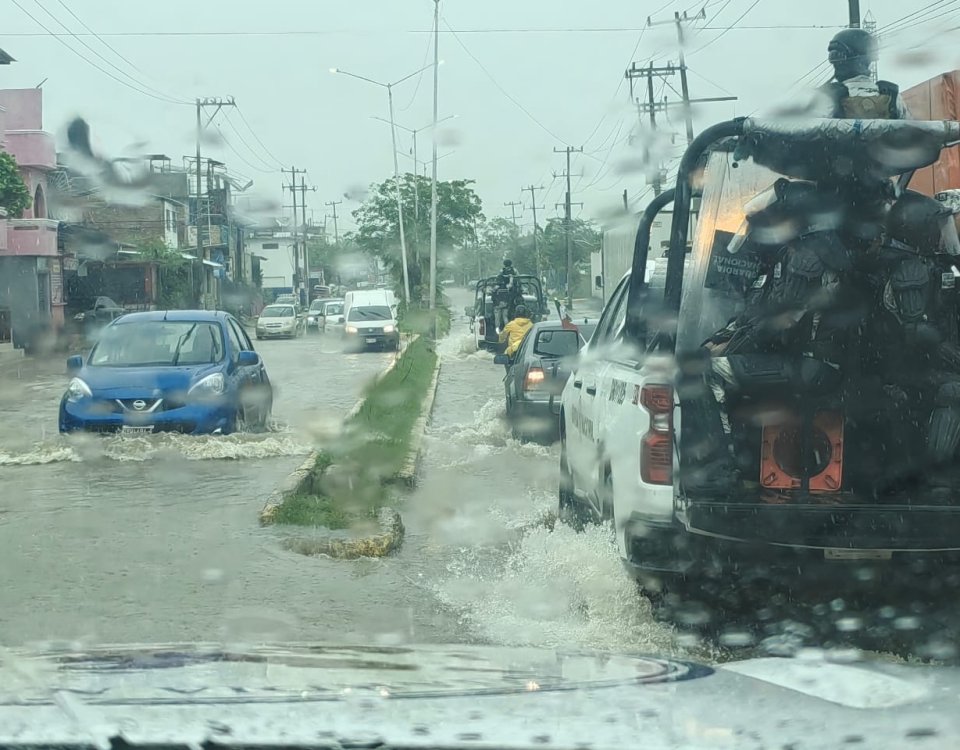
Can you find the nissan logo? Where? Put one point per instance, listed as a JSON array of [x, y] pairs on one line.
[[139, 404]]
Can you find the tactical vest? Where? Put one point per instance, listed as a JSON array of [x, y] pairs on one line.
[[881, 106]]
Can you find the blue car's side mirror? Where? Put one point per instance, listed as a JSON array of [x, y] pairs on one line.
[[501, 359], [74, 363], [248, 359]]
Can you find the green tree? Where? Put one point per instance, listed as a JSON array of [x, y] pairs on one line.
[[378, 233], [585, 239], [174, 290], [14, 195]]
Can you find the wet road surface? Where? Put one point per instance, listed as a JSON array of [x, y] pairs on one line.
[[137, 540]]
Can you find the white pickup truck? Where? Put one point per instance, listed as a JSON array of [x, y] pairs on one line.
[[802, 495]]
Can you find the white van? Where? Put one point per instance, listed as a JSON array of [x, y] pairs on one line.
[[370, 319], [370, 297]]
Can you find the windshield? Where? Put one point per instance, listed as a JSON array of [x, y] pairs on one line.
[[557, 343], [158, 343], [370, 313], [278, 312], [359, 432]]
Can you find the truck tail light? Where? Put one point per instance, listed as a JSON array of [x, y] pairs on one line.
[[534, 378], [483, 327], [656, 447]]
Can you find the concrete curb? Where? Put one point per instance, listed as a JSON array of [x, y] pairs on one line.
[[391, 533], [378, 545], [408, 474], [293, 484]]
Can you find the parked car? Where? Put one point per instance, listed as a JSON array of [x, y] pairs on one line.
[[103, 309], [331, 316], [536, 376], [280, 320], [314, 313], [371, 325], [188, 371]]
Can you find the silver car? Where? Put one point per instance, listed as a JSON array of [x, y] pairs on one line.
[[279, 321]]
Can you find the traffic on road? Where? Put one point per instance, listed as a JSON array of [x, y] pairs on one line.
[[629, 416]]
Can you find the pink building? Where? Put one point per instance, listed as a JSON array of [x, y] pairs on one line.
[[31, 288]]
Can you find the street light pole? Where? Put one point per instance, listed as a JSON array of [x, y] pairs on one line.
[[433, 132], [396, 165], [396, 179]]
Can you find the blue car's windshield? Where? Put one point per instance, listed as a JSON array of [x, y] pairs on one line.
[[158, 343]]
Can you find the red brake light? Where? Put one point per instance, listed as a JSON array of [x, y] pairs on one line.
[[535, 376], [656, 447]]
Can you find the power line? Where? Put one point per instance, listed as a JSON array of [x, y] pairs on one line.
[[743, 15], [945, 11], [237, 153], [249, 148], [500, 88], [925, 9], [90, 62], [464, 32], [94, 33], [416, 90], [106, 60], [257, 137]]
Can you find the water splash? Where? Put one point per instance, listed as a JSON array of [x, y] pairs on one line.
[[553, 588], [192, 448]]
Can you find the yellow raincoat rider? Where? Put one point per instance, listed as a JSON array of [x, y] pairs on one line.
[[515, 331]]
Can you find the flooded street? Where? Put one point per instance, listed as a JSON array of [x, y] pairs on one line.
[[151, 540], [156, 540]]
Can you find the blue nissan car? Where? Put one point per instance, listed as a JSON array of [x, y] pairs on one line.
[[187, 371]]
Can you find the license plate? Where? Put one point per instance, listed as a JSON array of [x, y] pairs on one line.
[[136, 430], [371, 341], [857, 554]]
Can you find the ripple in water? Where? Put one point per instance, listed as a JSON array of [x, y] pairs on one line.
[[79, 448]]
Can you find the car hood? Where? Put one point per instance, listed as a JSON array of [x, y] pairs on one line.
[[115, 380], [459, 696]]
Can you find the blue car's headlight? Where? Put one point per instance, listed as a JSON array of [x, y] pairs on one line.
[[212, 385], [77, 390]]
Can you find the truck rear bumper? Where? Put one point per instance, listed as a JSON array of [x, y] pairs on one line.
[[782, 542]]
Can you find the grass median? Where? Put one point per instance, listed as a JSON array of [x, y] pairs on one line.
[[350, 483]]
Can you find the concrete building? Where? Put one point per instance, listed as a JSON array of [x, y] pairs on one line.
[[31, 282]]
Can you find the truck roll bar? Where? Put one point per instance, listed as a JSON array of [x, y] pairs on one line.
[[635, 327]]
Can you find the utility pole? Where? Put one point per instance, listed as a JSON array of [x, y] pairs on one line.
[[679, 20], [336, 233], [854, 8], [306, 249], [651, 106], [536, 242], [202, 104], [568, 220], [298, 280], [433, 133], [513, 210]]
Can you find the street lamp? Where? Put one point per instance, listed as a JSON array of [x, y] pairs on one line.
[[396, 163], [416, 187]]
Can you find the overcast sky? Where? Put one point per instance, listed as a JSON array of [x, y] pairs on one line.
[[561, 62]]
